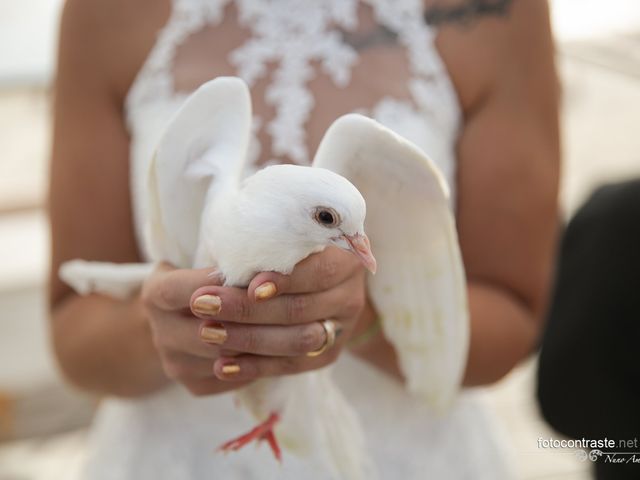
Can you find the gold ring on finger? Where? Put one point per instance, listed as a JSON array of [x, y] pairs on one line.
[[329, 327]]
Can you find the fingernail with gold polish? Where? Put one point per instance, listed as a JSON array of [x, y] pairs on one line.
[[214, 333], [265, 291], [207, 305], [231, 369]]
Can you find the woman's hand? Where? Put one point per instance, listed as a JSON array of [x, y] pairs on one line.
[[275, 322], [176, 333]]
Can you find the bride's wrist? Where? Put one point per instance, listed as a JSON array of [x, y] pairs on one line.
[[368, 328]]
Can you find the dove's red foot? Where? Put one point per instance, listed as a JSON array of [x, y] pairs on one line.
[[263, 431]]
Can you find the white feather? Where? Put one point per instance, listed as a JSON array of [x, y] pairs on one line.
[[200, 158], [115, 280]]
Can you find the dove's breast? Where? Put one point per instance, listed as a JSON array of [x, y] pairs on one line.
[[237, 239]]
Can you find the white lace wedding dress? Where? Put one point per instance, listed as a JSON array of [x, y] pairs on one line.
[[377, 57]]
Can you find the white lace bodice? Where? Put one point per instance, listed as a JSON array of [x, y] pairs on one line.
[[304, 39], [307, 62]]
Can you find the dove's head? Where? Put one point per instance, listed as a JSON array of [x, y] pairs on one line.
[[310, 208]]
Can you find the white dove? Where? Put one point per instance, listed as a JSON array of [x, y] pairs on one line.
[[202, 213]]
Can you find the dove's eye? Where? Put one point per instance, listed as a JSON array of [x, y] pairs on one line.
[[327, 217]]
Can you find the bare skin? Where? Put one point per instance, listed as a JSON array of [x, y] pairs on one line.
[[508, 164]]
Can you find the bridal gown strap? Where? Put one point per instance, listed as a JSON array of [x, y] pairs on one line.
[[375, 57]]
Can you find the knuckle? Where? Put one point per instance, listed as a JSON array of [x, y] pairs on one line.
[[257, 370], [296, 306], [326, 273], [309, 339], [242, 310], [289, 365], [251, 341], [208, 351], [164, 295]]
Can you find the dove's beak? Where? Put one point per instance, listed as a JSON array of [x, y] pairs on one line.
[[360, 246]]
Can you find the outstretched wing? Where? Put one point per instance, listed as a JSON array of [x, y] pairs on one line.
[[419, 290], [202, 151]]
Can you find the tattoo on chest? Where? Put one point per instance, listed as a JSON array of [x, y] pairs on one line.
[[464, 14], [364, 40], [467, 12]]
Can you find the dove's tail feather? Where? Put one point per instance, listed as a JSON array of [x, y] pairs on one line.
[[318, 419], [119, 281], [343, 434]]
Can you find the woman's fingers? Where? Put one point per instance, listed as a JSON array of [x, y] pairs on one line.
[[189, 348], [251, 367], [170, 289], [270, 340], [181, 333], [196, 374], [207, 386], [233, 305], [318, 272], [182, 366], [210, 339], [240, 337]]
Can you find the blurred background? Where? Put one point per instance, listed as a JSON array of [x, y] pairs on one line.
[[43, 423]]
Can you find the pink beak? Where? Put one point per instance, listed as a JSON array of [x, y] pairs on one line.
[[361, 247]]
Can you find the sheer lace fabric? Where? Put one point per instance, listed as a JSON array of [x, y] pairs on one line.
[[307, 62], [292, 52]]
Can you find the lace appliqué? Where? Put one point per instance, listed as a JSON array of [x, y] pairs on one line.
[[155, 79], [295, 36], [431, 91]]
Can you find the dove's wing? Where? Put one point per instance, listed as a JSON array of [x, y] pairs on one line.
[[201, 153], [419, 290]]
